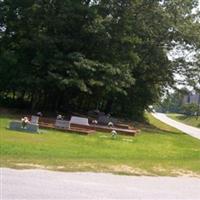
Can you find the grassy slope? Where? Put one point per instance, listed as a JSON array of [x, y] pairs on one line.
[[162, 151], [190, 120]]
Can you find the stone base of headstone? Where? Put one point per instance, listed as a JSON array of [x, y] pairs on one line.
[[62, 124], [17, 125]]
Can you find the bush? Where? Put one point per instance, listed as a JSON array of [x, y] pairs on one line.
[[190, 109]]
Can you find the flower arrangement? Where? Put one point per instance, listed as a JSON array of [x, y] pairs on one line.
[[59, 117], [114, 133], [94, 122], [110, 124], [25, 121]]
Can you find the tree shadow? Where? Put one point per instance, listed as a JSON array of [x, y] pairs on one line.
[[183, 117], [155, 130]]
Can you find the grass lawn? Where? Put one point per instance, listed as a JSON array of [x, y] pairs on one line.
[[157, 150], [190, 120]]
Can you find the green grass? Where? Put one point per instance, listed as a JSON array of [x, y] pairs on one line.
[[190, 120], [157, 150]]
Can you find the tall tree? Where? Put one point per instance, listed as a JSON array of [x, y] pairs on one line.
[[80, 54]]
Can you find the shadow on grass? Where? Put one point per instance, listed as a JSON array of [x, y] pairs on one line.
[[155, 126], [151, 129], [10, 116], [155, 130], [183, 117]]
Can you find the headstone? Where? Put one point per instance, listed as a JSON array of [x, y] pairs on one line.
[[79, 120], [32, 127], [34, 119], [106, 119], [17, 125], [62, 124]]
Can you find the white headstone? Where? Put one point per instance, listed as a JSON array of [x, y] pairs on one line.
[[34, 119], [62, 124], [79, 120]]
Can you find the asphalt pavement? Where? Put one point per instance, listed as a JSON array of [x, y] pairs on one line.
[[43, 184], [190, 130]]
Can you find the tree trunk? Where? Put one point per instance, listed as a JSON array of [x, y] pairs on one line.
[[108, 106]]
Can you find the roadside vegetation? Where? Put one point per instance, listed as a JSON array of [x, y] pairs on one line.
[[190, 120], [157, 150]]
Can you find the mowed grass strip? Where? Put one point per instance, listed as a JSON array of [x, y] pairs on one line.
[[157, 150], [189, 120]]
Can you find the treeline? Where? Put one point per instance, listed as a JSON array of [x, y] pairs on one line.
[[179, 102], [78, 55]]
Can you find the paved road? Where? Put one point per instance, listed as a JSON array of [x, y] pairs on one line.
[[194, 132], [42, 184]]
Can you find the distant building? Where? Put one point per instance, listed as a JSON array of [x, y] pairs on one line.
[[191, 98]]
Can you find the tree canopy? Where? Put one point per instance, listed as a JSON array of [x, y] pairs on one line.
[[77, 55]]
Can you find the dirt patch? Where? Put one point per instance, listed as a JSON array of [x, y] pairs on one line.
[[159, 169], [115, 169], [185, 173], [31, 165], [129, 170], [37, 166], [60, 167]]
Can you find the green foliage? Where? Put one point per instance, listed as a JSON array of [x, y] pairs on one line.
[[190, 109], [173, 102], [79, 55], [190, 120]]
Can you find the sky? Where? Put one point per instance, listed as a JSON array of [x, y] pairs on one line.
[[189, 56]]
